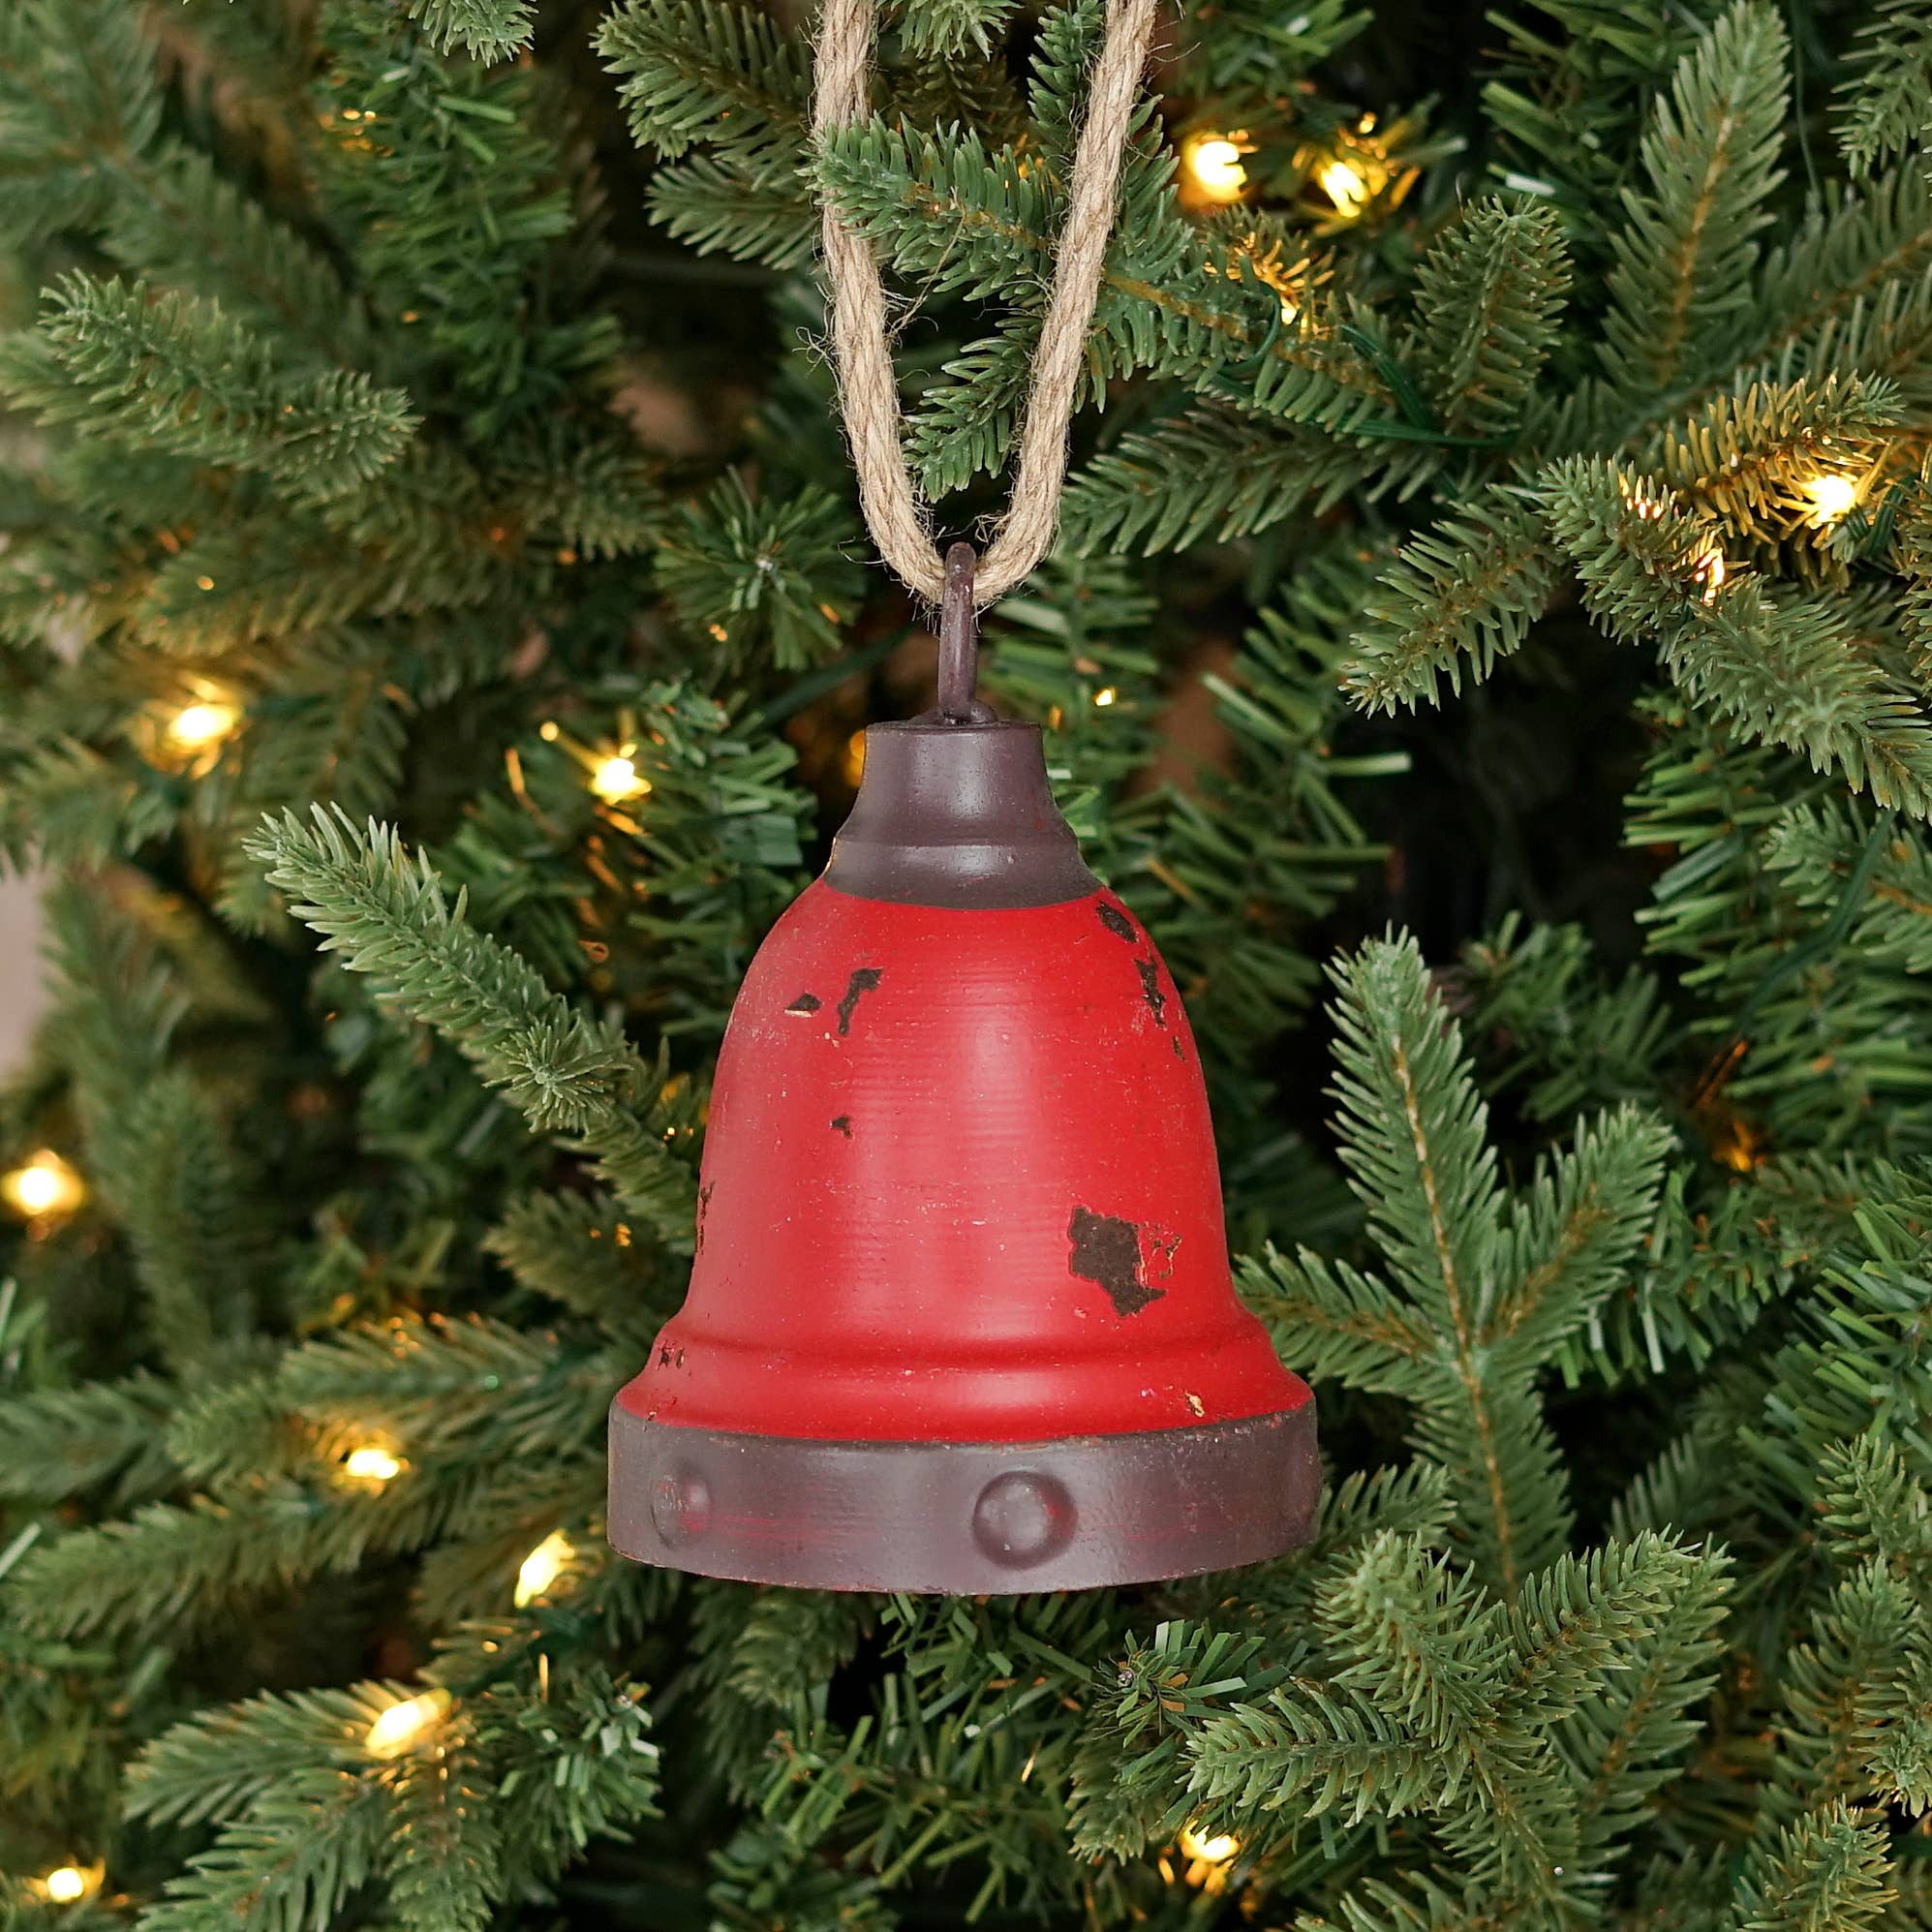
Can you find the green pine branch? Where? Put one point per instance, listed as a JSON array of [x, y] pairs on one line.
[[443, 1853], [1783, 670], [1884, 104], [578, 1251], [1825, 1869], [1874, 1505], [56, 1443], [1688, 243], [764, 579], [1207, 475], [754, 210], [1626, 1741], [386, 914], [214, 1765], [105, 100], [1459, 597], [1573, 1036], [173, 373], [948, 29], [488, 30], [1816, 851], [1480, 1292], [708, 70], [1488, 294], [1747, 457]]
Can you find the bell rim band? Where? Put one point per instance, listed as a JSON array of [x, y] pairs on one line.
[[979, 1519]]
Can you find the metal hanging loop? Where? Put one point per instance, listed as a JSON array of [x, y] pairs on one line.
[[959, 644]]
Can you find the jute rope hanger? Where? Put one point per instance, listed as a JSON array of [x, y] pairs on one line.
[[861, 343]]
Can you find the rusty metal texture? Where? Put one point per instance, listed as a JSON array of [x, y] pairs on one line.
[[959, 1185], [967, 1519], [959, 816], [960, 1315]]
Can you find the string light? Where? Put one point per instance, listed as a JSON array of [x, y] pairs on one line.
[[43, 1188], [1739, 1146], [542, 1567], [197, 726], [1211, 170], [1709, 569], [1105, 696], [610, 769], [1208, 1854], [1831, 496], [371, 1463], [186, 732], [615, 778], [1352, 169], [1217, 1848], [401, 1727], [68, 1884], [1345, 188]]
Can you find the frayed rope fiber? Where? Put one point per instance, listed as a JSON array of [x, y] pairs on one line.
[[861, 342]]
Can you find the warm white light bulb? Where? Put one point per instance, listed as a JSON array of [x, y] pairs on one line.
[[402, 1725], [1105, 696], [616, 780], [1213, 164], [372, 1464], [65, 1884], [1709, 569], [542, 1567], [1345, 187], [1831, 498], [1210, 1848], [196, 727], [43, 1184]]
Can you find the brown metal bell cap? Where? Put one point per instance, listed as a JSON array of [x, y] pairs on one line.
[[959, 816], [954, 808]]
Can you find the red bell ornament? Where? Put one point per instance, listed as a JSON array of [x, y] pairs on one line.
[[960, 1317]]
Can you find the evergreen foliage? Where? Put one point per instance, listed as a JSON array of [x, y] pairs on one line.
[[434, 622]]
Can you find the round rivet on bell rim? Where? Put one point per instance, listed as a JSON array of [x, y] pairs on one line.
[[680, 1506], [1021, 1517], [960, 1318]]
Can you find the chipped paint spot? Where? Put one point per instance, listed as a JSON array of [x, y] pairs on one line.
[[1151, 991], [1194, 1403], [1174, 1040], [1117, 923], [806, 1002], [703, 1209], [864, 980], [1158, 1251], [843, 1124], [1107, 1250]]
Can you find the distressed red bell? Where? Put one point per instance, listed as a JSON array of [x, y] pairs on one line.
[[960, 1317]]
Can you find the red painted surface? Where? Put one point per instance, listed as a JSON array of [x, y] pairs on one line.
[[969, 1194]]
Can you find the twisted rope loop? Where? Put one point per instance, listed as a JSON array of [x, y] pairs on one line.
[[861, 342]]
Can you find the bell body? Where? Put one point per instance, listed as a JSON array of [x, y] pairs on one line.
[[960, 1315]]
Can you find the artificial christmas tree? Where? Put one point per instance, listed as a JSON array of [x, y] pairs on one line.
[[1497, 509]]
